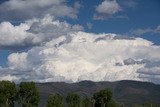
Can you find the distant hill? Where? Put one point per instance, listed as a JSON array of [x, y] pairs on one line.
[[127, 92]]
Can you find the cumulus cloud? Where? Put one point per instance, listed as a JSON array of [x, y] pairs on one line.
[[129, 3], [139, 32], [33, 32], [86, 56], [60, 51], [107, 9], [89, 25], [26, 9], [15, 36], [157, 29]]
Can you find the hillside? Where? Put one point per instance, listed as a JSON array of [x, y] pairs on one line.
[[128, 92]]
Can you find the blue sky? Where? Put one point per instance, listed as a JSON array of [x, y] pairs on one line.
[[134, 15], [144, 14]]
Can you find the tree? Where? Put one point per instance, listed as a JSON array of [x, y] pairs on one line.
[[55, 101], [86, 103], [102, 98], [2, 99], [8, 93], [113, 103], [73, 100], [28, 94]]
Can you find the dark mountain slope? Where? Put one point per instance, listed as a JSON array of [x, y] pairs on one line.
[[128, 92]]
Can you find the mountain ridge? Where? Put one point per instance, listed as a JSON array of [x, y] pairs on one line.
[[126, 91]]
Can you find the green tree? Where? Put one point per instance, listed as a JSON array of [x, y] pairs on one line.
[[28, 94], [55, 101], [3, 100], [102, 98], [73, 100], [8, 93], [113, 103], [86, 102]]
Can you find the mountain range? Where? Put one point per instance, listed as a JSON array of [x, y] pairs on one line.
[[126, 91]]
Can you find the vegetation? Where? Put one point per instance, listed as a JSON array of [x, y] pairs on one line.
[[73, 100], [145, 105], [27, 95], [87, 102], [8, 93], [103, 98], [55, 101]]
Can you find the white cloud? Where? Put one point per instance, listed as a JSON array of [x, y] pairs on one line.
[[106, 9], [86, 56], [139, 32], [33, 32], [25, 9], [157, 30], [129, 3], [89, 25], [9, 78], [59, 51], [7, 75], [15, 36], [18, 61]]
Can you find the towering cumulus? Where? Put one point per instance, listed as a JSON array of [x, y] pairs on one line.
[[59, 51]]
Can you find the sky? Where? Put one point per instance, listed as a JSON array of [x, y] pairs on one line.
[[30, 27]]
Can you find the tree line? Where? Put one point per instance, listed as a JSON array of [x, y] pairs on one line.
[[27, 95], [103, 98]]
